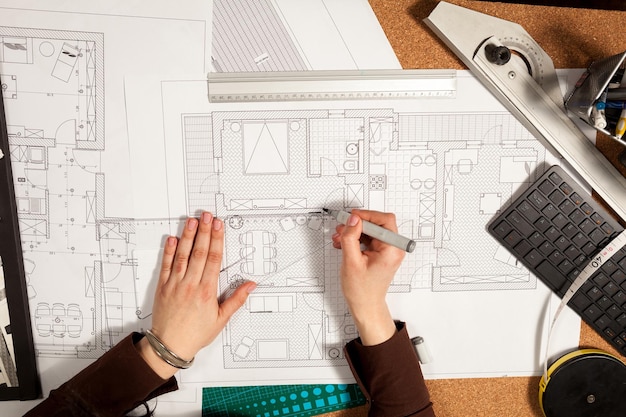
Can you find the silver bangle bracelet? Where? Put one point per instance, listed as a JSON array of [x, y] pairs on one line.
[[167, 355]]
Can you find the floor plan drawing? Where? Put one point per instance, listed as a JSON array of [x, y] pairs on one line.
[[53, 81], [267, 173]]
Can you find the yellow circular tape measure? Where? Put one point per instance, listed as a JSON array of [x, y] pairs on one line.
[[584, 383]]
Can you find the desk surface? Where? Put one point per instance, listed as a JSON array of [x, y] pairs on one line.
[[573, 38]]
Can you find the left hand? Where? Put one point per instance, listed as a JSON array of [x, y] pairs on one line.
[[187, 314]]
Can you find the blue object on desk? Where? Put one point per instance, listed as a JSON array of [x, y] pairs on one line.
[[280, 400]]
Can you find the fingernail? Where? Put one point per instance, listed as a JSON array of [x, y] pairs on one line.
[[217, 224], [251, 287], [353, 220], [206, 218], [191, 224], [336, 236], [171, 241]]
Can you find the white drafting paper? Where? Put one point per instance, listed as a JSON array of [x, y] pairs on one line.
[[63, 79], [444, 166], [63, 66]]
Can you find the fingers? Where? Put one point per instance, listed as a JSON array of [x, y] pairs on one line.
[[214, 258], [168, 258], [185, 243], [200, 249], [236, 300], [350, 238], [386, 220]]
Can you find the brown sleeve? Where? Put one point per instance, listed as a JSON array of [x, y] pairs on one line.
[[390, 376], [113, 385]]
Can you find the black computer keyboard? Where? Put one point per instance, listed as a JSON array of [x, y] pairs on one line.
[[554, 228]]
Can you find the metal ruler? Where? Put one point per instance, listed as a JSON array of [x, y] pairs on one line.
[[331, 85], [279, 400], [505, 58]]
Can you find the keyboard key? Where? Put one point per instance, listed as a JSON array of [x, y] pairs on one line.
[[613, 312], [502, 229], [600, 279], [577, 216], [589, 249], [579, 302], [619, 277], [603, 321], [609, 267], [542, 224], [528, 211], [546, 248], [560, 220], [552, 234], [593, 313], [576, 199], [556, 197], [572, 252], [537, 199], [597, 236], [587, 226], [522, 248], [552, 276], [533, 258], [569, 230], [587, 209], [579, 239], [565, 187], [611, 289], [567, 207], [595, 293], [566, 266], [562, 243], [621, 320], [556, 257], [546, 187], [580, 260], [536, 239], [520, 223], [550, 211], [604, 302], [597, 218], [607, 228], [620, 298], [556, 178], [513, 238]]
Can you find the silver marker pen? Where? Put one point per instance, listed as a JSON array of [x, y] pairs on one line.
[[377, 232]]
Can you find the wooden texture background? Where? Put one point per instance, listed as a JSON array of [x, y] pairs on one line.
[[573, 38]]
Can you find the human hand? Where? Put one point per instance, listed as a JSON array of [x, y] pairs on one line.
[[366, 275], [187, 314]]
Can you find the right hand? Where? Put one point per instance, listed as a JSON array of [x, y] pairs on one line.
[[366, 275]]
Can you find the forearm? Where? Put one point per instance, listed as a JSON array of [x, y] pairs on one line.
[[390, 376], [116, 383]]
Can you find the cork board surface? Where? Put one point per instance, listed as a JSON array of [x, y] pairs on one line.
[[573, 38]]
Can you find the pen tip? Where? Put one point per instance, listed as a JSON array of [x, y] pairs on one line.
[[325, 210]]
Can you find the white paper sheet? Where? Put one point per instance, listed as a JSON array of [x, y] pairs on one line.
[[445, 167], [71, 159]]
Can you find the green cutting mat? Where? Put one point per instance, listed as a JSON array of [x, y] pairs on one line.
[[279, 400]]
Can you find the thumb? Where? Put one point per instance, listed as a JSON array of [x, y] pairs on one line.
[[350, 238], [236, 300]]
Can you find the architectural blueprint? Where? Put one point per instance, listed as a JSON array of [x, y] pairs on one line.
[[444, 166], [63, 69]]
